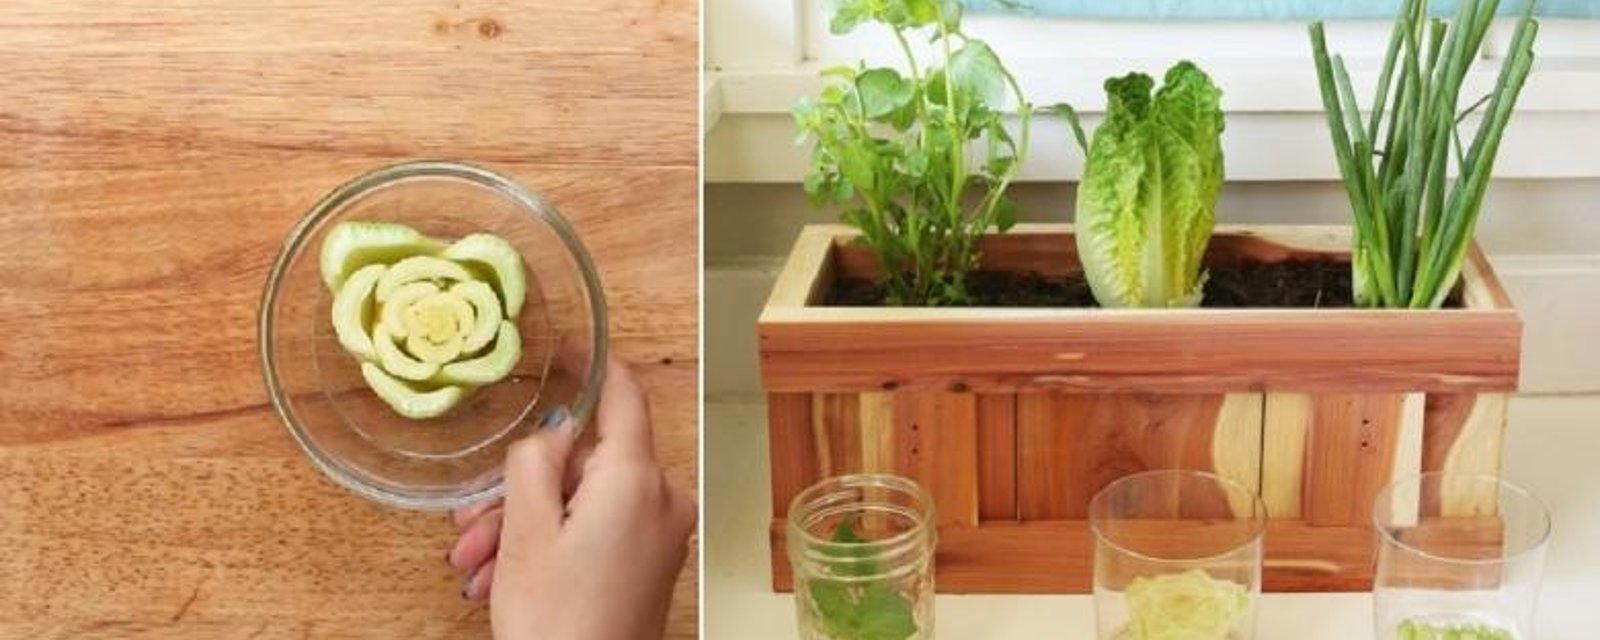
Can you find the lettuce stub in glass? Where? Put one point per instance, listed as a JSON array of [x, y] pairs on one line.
[[429, 321], [1184, 606], [1425, 630]]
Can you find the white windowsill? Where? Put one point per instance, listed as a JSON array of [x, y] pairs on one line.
[[1276, 130]]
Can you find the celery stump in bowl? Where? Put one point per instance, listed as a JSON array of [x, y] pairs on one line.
[[429, 322]]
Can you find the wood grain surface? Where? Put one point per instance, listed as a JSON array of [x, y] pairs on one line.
[[156, 155]]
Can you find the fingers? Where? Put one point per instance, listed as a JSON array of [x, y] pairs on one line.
[[479, 542], [465, 516], [536, 469], [623, 420], [577, 464], [479, 583], [683, 513]]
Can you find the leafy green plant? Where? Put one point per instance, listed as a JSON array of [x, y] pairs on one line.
[[1413, 224], [893, 148], [1147, 203], [860, 610]]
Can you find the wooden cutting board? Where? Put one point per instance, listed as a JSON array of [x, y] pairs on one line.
[[152, 159]]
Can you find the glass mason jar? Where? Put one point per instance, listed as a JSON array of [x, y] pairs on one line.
[[1459, 556], [1177, 557], [862, 550]]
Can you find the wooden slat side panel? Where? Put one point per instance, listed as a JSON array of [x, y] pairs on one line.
[[1236, 452], [836, 430], [1049, 427], [1072, 445], [877, 432], [1283, 453], [936, 444], [1464, 433], [791, 447], [997, 457], [1350, 454]]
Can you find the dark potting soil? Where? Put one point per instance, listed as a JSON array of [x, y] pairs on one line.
[[1294, 284]]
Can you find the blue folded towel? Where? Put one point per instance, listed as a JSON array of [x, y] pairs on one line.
[[1266, 9]]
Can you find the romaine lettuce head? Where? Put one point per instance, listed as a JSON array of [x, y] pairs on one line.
[[1147, 203]]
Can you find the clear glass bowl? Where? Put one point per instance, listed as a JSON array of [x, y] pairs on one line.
[[455, 459]]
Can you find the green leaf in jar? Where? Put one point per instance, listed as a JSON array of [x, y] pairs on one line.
[[855, 610]]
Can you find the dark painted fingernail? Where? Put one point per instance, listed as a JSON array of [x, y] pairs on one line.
[[466, 591], [557, 417], [447, 559]]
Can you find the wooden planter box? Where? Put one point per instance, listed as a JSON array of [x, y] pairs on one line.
[[1013, 418]]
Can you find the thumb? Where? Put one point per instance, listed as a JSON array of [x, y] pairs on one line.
[[535, 469]]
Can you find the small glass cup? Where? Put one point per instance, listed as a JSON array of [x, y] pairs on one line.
[[1177, 555], [862, 549], [1459, 556]]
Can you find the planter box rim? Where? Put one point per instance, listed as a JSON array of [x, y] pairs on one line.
[[806, 347]]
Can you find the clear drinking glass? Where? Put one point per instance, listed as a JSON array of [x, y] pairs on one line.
[[1177, 557], [862, 550], [1459, 557]]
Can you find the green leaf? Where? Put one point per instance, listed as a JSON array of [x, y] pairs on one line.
[[833, 94], [922, 12], [1005, 214], [856, 163], [976, 72], [851, 610], [1070, 115], [848, 14], [838, 615], [951, 10], [843, 72], [885, 614], [883, 92], [814, 184]]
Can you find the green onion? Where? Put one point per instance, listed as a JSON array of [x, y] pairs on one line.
[[1413, 223]]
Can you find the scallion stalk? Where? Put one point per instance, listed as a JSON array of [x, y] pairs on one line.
[[1413, 223]]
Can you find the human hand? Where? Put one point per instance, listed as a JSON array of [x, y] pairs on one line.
[[589, 539]]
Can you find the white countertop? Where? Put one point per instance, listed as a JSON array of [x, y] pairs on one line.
[[1553, 449]]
